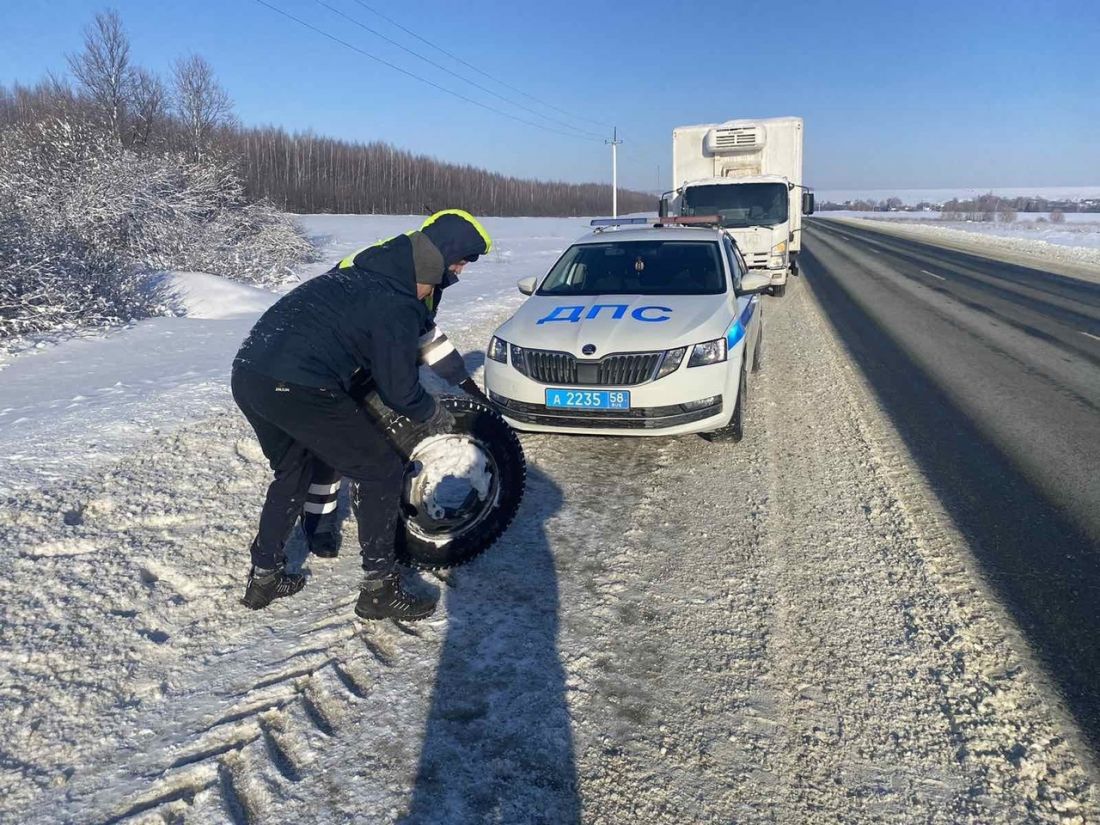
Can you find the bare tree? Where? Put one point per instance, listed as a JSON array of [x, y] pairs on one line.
[[1007, 215], [201, 103], [104, 71], [1057, 216], [149, 101]]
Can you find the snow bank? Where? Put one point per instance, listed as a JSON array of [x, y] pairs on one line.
[[68, 407], [1074, 243], [915, 196], [212, 297]]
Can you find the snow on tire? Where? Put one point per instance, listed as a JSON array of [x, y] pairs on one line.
[[461, 490]]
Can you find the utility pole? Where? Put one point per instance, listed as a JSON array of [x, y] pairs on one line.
[[614, 142]]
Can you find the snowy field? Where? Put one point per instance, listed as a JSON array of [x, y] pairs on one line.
[[673, 631], [1077, 241], [915, 196]]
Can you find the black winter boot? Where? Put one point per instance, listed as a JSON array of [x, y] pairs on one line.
[[324, 545], [265, 586], [387, 599]]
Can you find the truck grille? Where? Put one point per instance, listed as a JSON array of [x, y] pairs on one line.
[[620, 370]]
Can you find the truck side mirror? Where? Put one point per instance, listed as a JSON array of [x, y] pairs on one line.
[[807, 203], [527, 285], [662, 208]]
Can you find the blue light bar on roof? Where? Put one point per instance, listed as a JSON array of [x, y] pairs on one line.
[[619, 221]]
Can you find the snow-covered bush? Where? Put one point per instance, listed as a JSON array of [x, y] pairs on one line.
[[84, 222]]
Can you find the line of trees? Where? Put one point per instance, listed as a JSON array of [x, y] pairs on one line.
[[309, 173], [983, 208], [190, 113]]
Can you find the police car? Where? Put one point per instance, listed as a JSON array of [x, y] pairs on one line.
[[636, 330]]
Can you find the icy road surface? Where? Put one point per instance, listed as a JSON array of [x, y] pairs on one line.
[[784, 630]]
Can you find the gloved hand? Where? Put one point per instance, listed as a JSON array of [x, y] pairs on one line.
[[441, 422], [473, 390]]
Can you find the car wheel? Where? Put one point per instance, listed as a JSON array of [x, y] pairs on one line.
[[431, 535], [735, 430]]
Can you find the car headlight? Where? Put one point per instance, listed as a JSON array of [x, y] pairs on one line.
[[498, 350], [519, 359], [779, 248], [671, 363], [709, 352]]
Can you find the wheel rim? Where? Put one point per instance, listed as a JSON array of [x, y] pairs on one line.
[[451, 485]]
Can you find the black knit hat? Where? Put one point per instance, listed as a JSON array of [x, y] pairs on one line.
[[457, 235]]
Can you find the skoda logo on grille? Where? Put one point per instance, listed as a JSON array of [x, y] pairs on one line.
[[588, 349]]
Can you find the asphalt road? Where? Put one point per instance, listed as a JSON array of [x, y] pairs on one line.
[[991, 373]]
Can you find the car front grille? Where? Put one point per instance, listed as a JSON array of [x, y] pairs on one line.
[[551, 367], [620, 370], [628, 370]]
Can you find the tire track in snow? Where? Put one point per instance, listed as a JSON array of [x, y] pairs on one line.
[[250, 758]]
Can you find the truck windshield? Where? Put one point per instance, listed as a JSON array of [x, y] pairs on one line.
[[739, 204], [638, 268]]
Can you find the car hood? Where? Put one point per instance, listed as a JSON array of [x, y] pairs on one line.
[[618, 323]]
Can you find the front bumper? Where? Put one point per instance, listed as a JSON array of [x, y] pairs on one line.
[[664, 407], [669, 420]]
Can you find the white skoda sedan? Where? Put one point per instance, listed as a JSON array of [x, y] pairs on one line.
[[634, 331]]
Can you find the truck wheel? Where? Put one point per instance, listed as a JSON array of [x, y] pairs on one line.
[[758, 353], [779, 290], [735, 430], [448, 519]]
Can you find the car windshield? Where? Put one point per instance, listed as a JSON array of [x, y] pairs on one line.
[[739, 204], [638, 268]]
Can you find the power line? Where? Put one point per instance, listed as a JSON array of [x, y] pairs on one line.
[[415, 76], [458, 59], [453, 73]]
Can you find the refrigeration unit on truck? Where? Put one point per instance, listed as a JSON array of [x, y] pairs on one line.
[[749, 172]]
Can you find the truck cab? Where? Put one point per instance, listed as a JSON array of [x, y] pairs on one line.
[[749, 172]]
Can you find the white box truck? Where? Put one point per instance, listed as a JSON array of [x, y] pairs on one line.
[[749, 173]]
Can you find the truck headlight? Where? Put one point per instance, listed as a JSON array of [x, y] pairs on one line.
[[709, 352], [498, 350], [672, 361]]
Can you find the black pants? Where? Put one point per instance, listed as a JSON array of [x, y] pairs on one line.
[[301, 426], [319, 514]]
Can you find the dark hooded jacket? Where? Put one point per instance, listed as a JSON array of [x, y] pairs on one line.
[[364, 315]]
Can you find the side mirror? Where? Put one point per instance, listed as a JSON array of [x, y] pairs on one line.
[[754, 281], [807, 203], [662, 208], [527, 285]]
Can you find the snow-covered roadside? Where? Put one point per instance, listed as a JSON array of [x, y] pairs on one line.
[[673, 631], [72, 406], [1071, 249]]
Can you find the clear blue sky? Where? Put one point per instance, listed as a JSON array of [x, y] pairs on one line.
[[895, 95]]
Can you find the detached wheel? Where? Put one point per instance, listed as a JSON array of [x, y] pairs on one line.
[[735, 430], [461, 490]]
